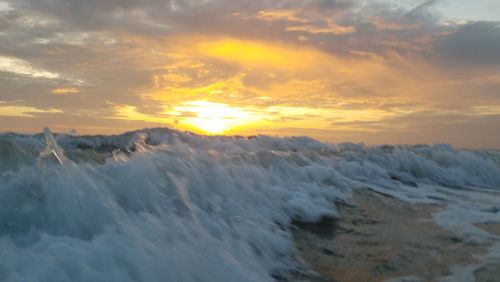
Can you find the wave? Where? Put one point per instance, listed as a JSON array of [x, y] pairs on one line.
[[163, 205]]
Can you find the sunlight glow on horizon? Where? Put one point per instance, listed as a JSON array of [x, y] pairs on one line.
[[213, 118]]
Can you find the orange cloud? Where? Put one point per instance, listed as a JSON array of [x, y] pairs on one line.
[[65, 90], [23, 111], [260, 54], [330, 29], [283, 14]]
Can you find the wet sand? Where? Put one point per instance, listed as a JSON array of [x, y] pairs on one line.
[[378, 238], [493, 228]]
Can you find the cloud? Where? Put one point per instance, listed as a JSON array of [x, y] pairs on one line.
[[5, 7], [280, 15], [7, 110], [65, 90], [475, 44], [22, 67], [331, 28], [359, 60]]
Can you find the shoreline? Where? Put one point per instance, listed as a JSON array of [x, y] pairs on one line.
[[379, 238]]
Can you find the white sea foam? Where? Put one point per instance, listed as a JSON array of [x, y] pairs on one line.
[[161, 205]]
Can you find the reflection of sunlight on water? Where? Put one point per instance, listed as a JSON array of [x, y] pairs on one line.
[[213, 117]]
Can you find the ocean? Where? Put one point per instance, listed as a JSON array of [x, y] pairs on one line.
[[164, 205]]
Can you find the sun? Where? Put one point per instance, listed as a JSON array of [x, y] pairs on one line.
[[213, 118]]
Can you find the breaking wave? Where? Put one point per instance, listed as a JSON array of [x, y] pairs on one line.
[[163, 205]]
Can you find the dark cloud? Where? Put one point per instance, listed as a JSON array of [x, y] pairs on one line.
[[475, 44]]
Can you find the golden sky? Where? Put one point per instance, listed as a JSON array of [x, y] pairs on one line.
[[339, 71]]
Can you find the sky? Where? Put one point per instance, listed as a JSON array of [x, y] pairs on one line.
[[377, 72]]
